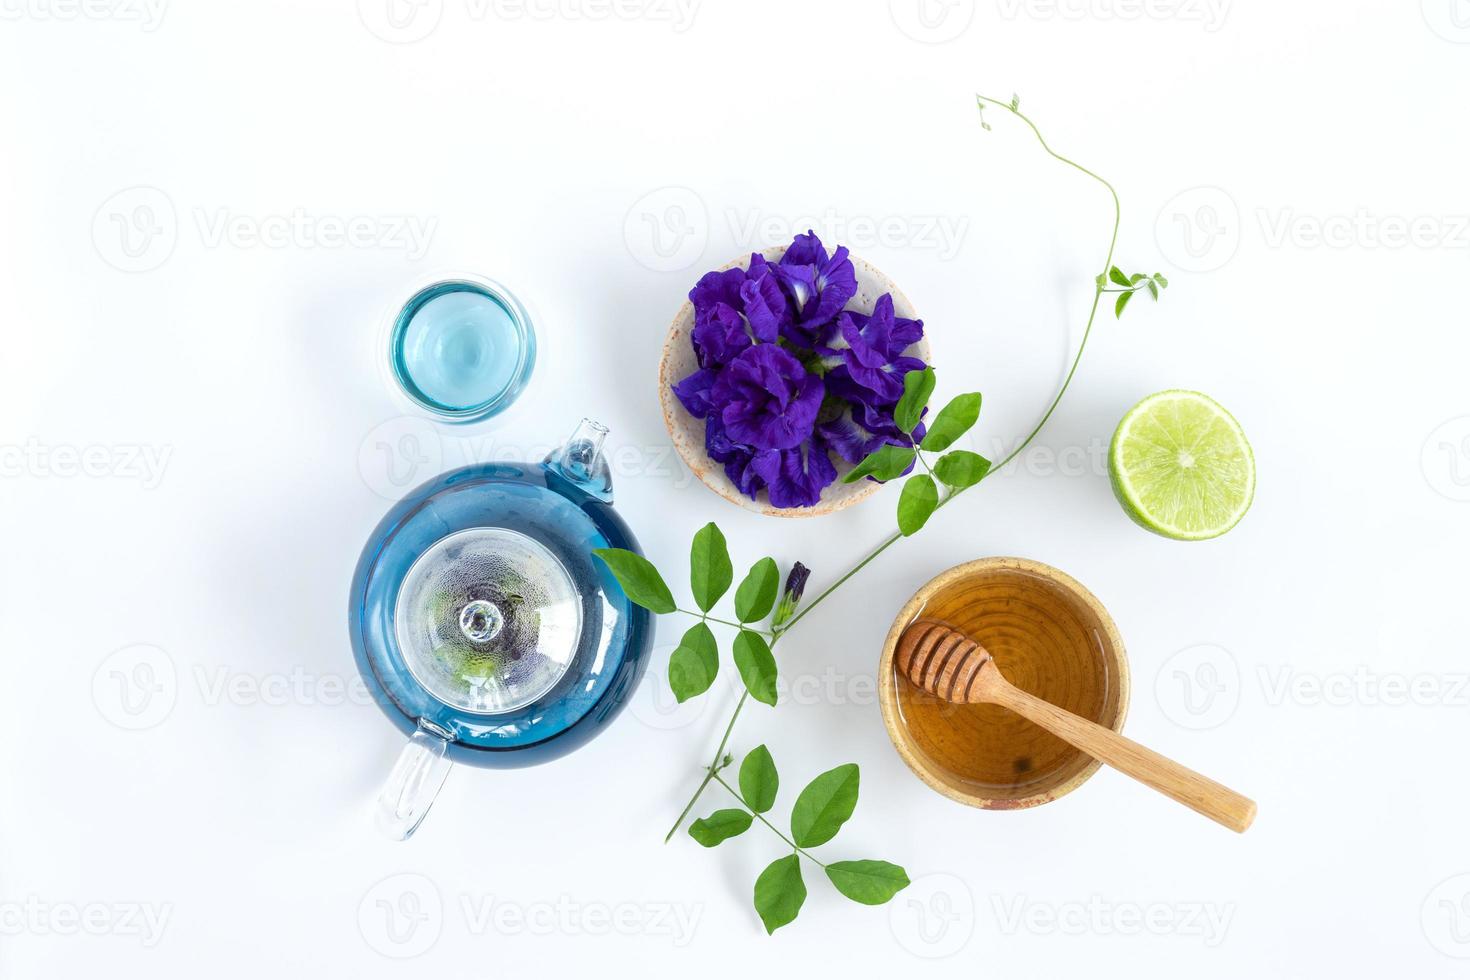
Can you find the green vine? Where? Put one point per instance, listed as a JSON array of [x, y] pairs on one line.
[[827, 802]]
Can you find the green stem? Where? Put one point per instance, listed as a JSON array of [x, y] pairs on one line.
[[724, 622], [713, 769], [745, 806]]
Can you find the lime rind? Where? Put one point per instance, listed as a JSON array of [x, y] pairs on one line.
[[1181, 466]]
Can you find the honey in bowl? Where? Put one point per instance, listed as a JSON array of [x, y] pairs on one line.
[[1051, 638]]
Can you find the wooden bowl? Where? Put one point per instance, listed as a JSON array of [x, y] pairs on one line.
[[1050, 637], [687, 432]]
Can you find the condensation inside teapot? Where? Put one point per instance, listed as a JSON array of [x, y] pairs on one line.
[[488, 620]]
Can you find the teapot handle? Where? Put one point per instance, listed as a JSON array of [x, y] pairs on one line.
[[416, 779]]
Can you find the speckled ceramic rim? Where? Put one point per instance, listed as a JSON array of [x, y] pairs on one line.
[[888, 692], [687, 432]]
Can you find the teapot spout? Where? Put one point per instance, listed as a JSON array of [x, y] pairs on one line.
[[580, 460]]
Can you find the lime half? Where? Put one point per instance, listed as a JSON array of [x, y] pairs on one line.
[[1181, 466]]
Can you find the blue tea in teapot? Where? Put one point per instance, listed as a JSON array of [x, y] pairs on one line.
[[484, 625]]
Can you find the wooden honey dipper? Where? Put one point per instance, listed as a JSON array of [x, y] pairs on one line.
[[951, 666]]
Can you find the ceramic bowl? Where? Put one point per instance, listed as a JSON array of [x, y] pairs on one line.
[[687, 432], [1050, 637]]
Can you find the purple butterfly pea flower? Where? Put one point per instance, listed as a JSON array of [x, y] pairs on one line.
[[820, 286], [766, 398], [859, 429], [694, 392], [735, 458], [735, 309], [871, 350], [797, 476]]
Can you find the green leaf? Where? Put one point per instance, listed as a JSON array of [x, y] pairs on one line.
[[710, 572], [720, 826], [1101, 280], [953, 421], [757, 593], [1116, 274], [758, 779], [756, 665], [1123, 299], [868, 882], [779, 892], [883, 463], [1159, 278], [1136, 278], [824, 806], [917, 387], [1153, 289], [917, 503], [961, 469], [639, 579], [694, 664]]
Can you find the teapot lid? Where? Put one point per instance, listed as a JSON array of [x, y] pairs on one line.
[[488, 620]]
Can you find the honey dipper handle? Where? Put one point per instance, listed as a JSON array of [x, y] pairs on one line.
[[1200, 794]]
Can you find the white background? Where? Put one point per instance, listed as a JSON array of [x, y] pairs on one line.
[[597, 162]]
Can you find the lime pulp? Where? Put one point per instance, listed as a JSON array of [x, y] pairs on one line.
[[1181, 466]]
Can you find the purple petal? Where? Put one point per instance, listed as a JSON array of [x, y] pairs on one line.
[[766, 398], [887, 381], [693, 392], [795, 477], [765, 307], [847, 437], [805, 250], [836, 284], [718, 335], [717, 287]]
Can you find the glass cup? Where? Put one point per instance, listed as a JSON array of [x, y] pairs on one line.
[[462, 348]]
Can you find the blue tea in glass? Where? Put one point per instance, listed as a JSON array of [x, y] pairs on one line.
[[463, 349]]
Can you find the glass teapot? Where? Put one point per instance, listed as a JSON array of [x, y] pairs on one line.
[[485, 627]]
